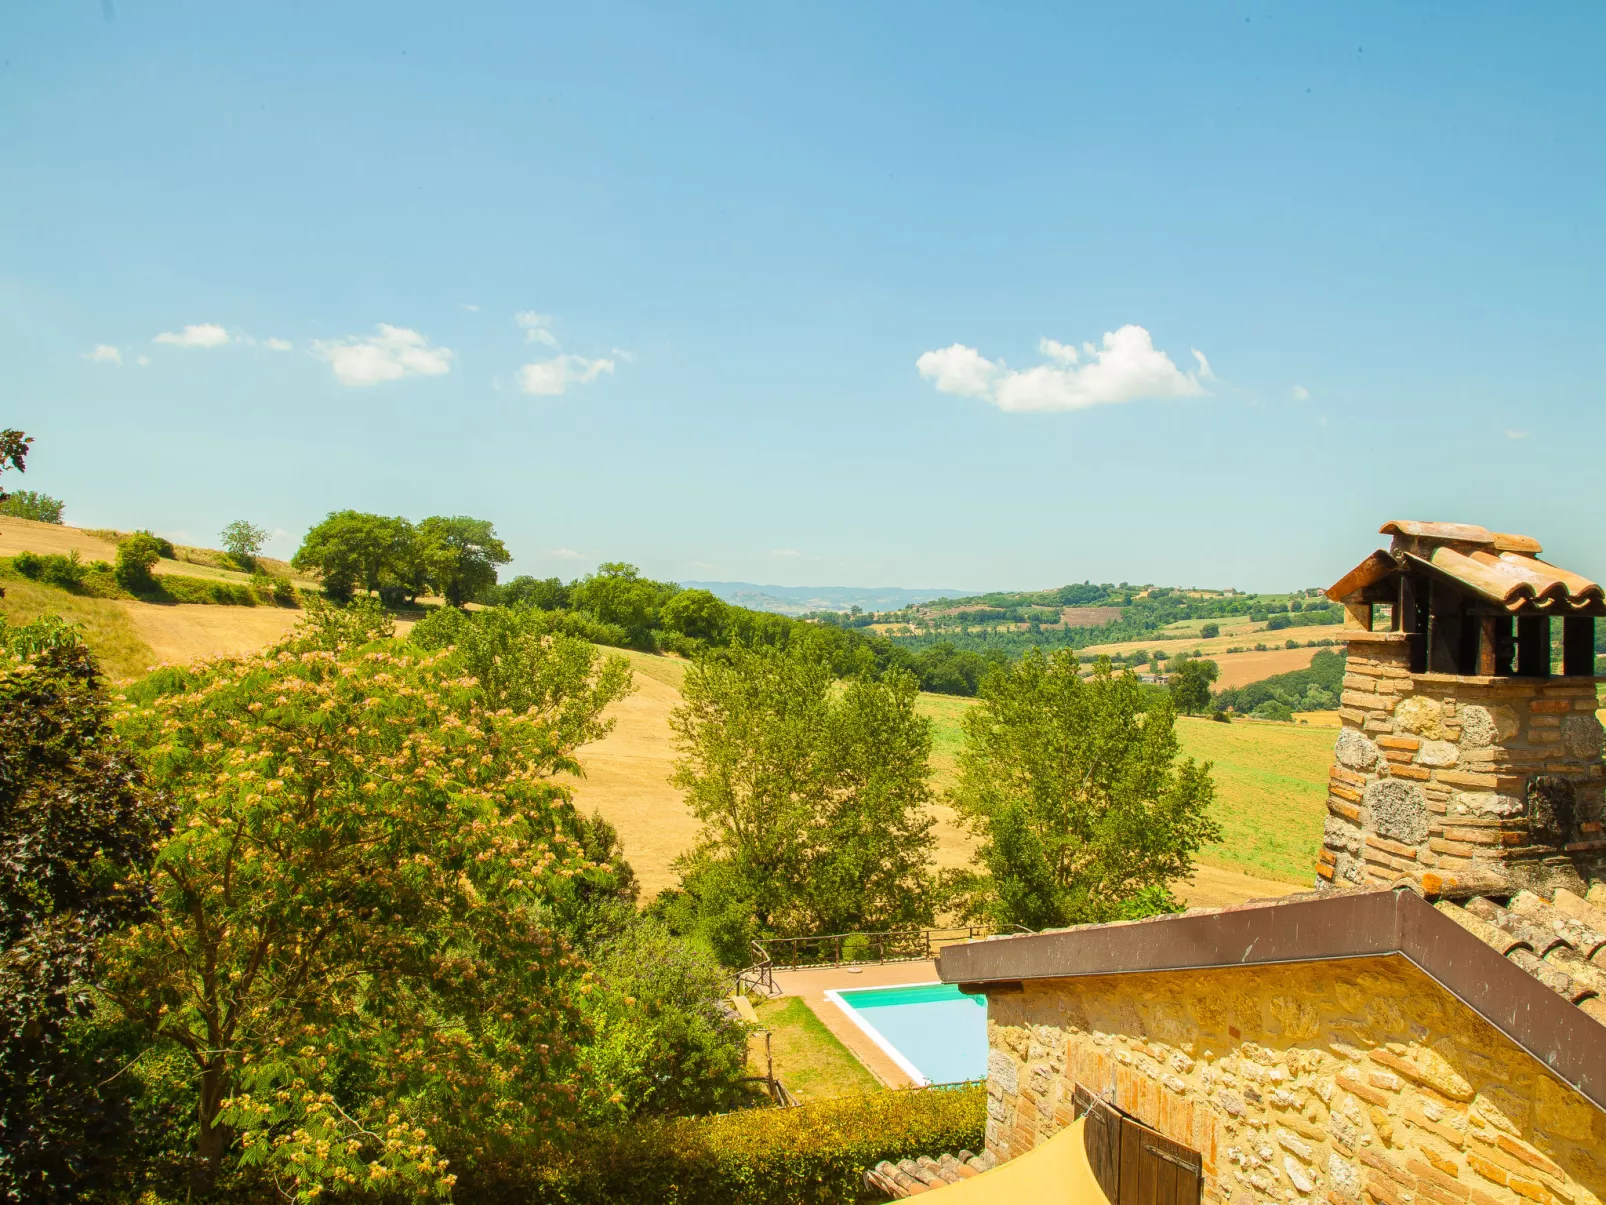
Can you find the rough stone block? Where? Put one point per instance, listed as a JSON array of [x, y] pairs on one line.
[[1355, 751], [1437, 754]]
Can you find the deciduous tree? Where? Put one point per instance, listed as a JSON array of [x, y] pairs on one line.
[[242, 540], [1190, 685], [812, 798], [1084, 810], [460, 555], [351, 947]]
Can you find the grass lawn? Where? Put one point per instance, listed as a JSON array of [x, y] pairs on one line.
[[808, 1058]]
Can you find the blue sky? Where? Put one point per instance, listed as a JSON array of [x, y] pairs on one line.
[[861, 294]]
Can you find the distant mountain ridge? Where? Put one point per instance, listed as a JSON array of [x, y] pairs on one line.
[[800, 600]]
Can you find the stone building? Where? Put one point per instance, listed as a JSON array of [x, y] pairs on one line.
[[1428, 1027]]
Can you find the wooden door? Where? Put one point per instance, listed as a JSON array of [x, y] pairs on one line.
[[1133, 1164]]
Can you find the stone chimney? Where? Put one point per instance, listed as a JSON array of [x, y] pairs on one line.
[[1467, 763]]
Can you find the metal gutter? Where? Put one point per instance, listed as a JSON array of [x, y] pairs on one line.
[[1372, 924]]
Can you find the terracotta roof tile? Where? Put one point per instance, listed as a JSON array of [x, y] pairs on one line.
[[1562, 951], [1498, 566]]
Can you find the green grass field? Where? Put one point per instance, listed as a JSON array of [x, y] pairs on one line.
[[808, 1058], [1270, 785]]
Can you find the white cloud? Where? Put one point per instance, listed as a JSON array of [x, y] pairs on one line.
[[551, 377], [395, 352], [959, 369], [1301, 393], [200, 334], [463, 305], [143, 361], [786, 552], [105, 353], [535, 328], [567, 554], [1516, 435], [278, 344], [1065, 353], [1128, 367]]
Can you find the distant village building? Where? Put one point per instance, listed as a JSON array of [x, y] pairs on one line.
[[1428, 1027]]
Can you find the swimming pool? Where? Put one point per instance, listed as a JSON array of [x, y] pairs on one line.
[[933, 1031]]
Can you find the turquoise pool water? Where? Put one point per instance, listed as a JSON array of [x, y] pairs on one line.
[[935, 1032]]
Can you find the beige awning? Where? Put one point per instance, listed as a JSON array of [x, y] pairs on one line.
[[1056, 1171]]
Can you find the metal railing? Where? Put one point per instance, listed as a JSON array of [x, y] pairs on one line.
[[836, 949]]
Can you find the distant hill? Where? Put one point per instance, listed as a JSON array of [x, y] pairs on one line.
[[800, 600]]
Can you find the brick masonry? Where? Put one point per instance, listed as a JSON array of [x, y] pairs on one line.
[[1439, 779], [1350, 1082]]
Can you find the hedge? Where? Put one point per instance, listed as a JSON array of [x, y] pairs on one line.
[[815, 1154], [94, 579]]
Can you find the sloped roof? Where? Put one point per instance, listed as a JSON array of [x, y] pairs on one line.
[[1561, 942], [1539, 989], [1498, 567]]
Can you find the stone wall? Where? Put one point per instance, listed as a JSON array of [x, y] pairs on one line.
[[1354, 1082], [1438, 778]]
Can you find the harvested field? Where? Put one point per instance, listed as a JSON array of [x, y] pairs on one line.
[[1089, 617], [179, 633], [1240, 669], [1179, 642]]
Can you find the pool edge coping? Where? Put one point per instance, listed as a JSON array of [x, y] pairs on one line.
[[834, 995]]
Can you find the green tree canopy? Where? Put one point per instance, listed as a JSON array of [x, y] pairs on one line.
[[353, 948], [31, 504], [1190, 685], [617, 593], [242, 540], [812, 798], [460, 555], [695, 613], [1074, 786], [352, 550], [137, 555]]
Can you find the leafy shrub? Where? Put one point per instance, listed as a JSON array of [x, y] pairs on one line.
[[204, 590], [136, 557], [63, 572], [1210, 631], [30, 504], [1273, 709], [73, 824], [1278, 622], [813, 1154]]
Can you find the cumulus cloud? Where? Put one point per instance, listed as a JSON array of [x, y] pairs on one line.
[[1065, 353], [551, 377], [1128, 367], [567, 554], [200, 334], [278, 344], [1516, 435], [536, 328], [395, 352], [1301, 393], [105, 353]]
